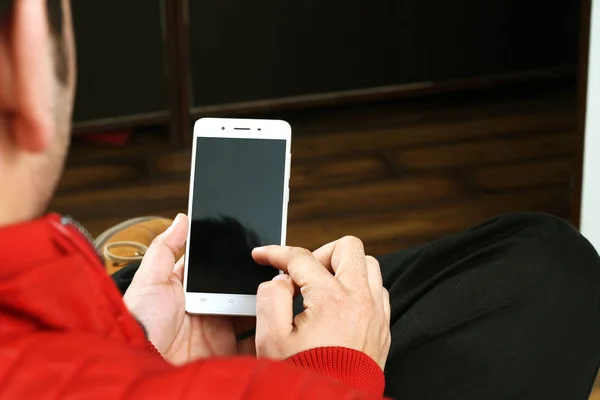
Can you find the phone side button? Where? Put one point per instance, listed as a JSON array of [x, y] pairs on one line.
[[287, 194]]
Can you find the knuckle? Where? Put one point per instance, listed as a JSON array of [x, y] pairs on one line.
[[157, 241], [308, 291], [372, 261], [351, 241], [337, 297], [299, 252]]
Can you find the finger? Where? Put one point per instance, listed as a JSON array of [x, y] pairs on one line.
[[274, 313], [178, 269], [346, 258], [298, 263], [375, 280], [158, 262], [323, 255], [386, 305]]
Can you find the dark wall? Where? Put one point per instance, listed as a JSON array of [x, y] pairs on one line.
[[263, 49], [248, 50], [121, 65], [243, 50], [477, 37]]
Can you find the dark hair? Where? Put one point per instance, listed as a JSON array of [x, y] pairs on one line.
[[55, 21]]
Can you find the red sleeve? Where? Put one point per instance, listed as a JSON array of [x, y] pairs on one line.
[[79, 366], [152, 350], [349, 366]]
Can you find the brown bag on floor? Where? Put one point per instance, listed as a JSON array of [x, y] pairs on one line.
[[127, 242]]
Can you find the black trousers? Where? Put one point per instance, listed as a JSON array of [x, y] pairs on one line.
[[506, 310]]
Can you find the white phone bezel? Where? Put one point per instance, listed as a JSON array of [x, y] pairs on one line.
[[234, 304]]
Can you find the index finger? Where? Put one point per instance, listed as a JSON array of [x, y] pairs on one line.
[[298, 263], [346, 258]]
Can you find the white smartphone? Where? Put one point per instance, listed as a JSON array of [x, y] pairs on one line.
[[239, 191]]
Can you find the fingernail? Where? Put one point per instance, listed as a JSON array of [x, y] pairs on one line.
[[259, 251], [178, 218], [281, 277], [176, 221]]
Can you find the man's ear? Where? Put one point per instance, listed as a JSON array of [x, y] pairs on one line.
[[33, 86]]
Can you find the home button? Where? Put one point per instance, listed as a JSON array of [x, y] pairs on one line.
[[231, 300]]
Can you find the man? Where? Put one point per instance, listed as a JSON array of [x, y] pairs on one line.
[[508, 309]]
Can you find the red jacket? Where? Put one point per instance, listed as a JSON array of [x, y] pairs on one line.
[[66, 334]]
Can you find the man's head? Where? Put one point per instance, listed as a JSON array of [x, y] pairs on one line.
[[37, 79]]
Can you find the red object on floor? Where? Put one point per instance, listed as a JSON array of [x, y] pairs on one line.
[[117, 138]]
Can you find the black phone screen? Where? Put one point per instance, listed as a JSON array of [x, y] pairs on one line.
[[237, 205]]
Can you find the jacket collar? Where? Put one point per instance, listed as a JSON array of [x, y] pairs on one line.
[[51, 279]]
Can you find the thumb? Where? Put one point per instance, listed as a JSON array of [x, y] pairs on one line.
[[274, 314], [159, 261]]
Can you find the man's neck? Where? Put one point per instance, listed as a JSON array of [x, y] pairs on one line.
[[17, 200]]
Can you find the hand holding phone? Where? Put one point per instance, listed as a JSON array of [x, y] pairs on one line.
[[345, 302], [156, 299]]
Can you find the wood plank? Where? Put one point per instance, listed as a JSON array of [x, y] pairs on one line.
[[371, 196], [303, 203], [419, 110], [95, 175], [390, 231], [128, 196], [361, 140], [141, 144], [529, 174], [177, 162], [338, 171], [425, 222], [485, 152]]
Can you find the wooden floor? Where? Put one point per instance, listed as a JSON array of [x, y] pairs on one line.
[[394, 174]]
